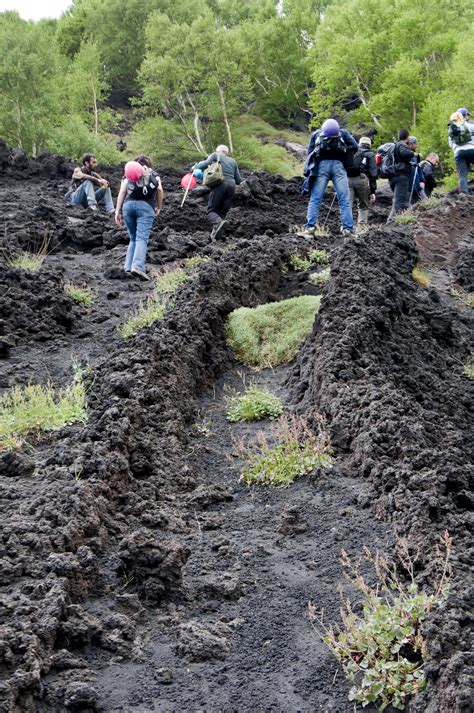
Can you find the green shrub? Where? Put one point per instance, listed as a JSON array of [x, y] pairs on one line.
[[169, 281], [82, 294], [271, 334], [429, 203], [297, 451], [299, 263], [315, 257], [405, 218], [380, 645], [32, 409], [73, 139], [144, 316], [319, 257], [253, 405], [320, 278]]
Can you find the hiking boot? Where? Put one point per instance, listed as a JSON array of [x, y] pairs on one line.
[[94, 207], [305, 232], [217, 229], [347, 233], [139, 273]]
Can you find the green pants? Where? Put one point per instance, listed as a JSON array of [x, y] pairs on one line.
[[359, 189]]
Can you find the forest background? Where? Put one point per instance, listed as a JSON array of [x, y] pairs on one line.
[[175, 77]]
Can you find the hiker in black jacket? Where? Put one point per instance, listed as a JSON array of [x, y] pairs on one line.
[[400, 183], [220, 196], [428, 167], [362, 176]]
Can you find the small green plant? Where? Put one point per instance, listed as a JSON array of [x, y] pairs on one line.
[[429, 203], [271, 334], [254, 405], [320, 278], [421, 276], [318, 257], [469, 370], [27, 260], [145, 316], [299, 263], [296, 451], [191, 263], [82, 294], [30, 410], [405, 218], [380, 645], [321, 231], [170, 280], [466, 297]]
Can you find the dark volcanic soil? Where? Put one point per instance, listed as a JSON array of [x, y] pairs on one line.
[[137, 572]]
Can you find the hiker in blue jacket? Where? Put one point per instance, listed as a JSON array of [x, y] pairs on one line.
[[329, 150], [220, 196]]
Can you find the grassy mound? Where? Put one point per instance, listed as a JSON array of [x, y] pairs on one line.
[[271, 334]]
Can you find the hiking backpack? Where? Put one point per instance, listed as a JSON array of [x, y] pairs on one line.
[[385, 160], [140, 190], [359, 164], [213, 175], [329, 143], [459, 133]]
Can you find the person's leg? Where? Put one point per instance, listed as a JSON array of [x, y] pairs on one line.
[[401, 196], [84, 195], [228, 194], [317, 192], [145, 215], [105, 195], [463, 159], [363, 192], [130, 220], [352, 190], [214, 205], [341, 186]]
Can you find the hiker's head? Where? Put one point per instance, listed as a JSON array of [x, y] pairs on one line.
[[89, 160], [433, 158], [134, 171], [330, 128], [465, 112], [365, 141], [403, 134], [222, 148], [412, 142], [143, 160]]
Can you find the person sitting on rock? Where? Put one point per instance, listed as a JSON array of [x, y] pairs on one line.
[[220, 196], [427, 167], [88, 188]]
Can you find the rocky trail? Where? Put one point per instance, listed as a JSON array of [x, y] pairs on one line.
[[138, 573]]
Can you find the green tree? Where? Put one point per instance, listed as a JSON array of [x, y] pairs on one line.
[[87, 85]]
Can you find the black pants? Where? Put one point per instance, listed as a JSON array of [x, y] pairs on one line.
[[401, 194], [220, 201]]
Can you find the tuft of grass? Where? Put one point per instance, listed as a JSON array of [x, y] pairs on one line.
[[30, 410], [320, 278], [82, 294], [466, 297], [146, 314], [315, 257], [468, 370], [296, 452], [254, 405], [169, 281], [421, 276], [271, 334], [27, 260], [299, 263], [191, 263], [405, 218], [319, 257], [380, 645], [429, 203]]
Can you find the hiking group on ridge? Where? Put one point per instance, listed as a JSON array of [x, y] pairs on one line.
[[333, 154]]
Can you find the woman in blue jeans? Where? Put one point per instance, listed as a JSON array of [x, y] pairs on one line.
[[139, 200]]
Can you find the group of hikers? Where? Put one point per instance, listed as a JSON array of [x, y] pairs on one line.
[[333, 155]]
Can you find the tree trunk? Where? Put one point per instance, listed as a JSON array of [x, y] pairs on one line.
[[96, 111], [226, 120], [196, 123]]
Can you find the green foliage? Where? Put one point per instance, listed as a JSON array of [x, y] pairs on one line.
[[466, 297], [254, 405], [428, 203], [297, 451], [315, 257], [73, 139], [82, 294], [319, 257], [271, 334], [405, 218], [30, 410], [468, 369], [380, 645], [26, 259], [195, 262], [421, 276], [320, 278], [169, 281], [299, 263], [146, 314]]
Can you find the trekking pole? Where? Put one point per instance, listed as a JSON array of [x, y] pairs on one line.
[[330, 209], [186, 192], [412, 187]]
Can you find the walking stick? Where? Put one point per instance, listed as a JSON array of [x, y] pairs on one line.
[[187, 190], [330, 209], [412, 186]]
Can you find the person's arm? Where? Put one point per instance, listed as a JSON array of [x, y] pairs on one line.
[[405, 153], [237, 176], [349, 140], [159, 197], [79, 175], [120, 199], [207, 162]]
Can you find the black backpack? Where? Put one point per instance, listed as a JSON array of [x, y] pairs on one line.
[[359, 164], [142, 189], [329, 143]]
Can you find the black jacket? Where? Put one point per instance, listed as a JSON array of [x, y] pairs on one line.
[[403, 155], [367, 166], [428, 176]]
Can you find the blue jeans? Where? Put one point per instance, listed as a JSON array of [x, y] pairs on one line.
[[463, 160], [330, 171], [138, 217], [87, 195]]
